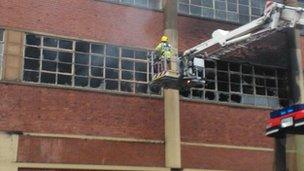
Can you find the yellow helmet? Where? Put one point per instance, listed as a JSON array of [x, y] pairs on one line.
[[164, 38]]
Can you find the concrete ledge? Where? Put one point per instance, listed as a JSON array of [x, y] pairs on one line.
[[228, 146], [87, 167], [92, 137]]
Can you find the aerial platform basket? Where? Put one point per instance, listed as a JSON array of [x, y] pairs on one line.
[[162, 75]]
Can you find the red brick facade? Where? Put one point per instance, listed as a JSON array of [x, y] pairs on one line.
[[54, 110]]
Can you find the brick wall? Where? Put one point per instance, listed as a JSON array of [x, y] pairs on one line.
[[50, 110]]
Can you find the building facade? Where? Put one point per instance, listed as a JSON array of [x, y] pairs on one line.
[[75, 88]]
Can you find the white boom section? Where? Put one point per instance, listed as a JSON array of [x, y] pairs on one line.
[[276, 17]]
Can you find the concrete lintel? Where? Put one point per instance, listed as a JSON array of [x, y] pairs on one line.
[[87, 167], [8, 151]]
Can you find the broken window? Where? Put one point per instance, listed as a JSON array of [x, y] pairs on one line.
[[235, 87], [48, 78], [236, 98], [210, 95], [210, 74], [97, 83], [111, 85], [81, 81], [222, 76], [235, 67], [222, 65], [246, 69], [235, 78], [223, 86], [223, 97], [247, 89], [141, 88], [209, 64], [85, 64], [198, 94], [126, 86]]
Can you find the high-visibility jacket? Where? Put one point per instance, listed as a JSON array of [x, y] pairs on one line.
[[164, 50]]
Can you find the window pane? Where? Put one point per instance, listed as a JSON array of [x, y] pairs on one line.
[[127, 53], [112, 62], [82, 46], [127, 64], [48, 78], [196, 2], [65, 68], [97, 72], [49, 55], [127, 75], [207, 12], [126, 86], [65, 57], [141, 88], [97, 83], [232, 7], [220, 5], [81, 58], [64, 79], [31, 64], [182, 8], [81, 81], [81, 70], [31, 76], [32, 52], [208, 3], [33, 40], [97, 48], [111, 85], [139, 66], [97, 60], [140, 76], [112, 73], [65, 44], [141, 55], [51, 42], [112, 50], [195, 10], [49, 66]]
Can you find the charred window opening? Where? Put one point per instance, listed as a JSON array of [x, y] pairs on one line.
[[222, 76], [247, 89], [223, 97], [236, 98], [197, 94], [209, 64], [210, 95], [210, 85], [222, 86], [210, 74], [222, 65], [235, 87], [246, 69], [235, 67], [126, 86], [235, 78], [247, 80], [260, 90]]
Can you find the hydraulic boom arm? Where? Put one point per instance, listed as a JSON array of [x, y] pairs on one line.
[[276, 17]]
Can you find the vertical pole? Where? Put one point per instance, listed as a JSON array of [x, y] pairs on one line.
[[171, 96], [297, 88]]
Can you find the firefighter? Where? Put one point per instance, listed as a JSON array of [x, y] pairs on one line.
[[164, 50]]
